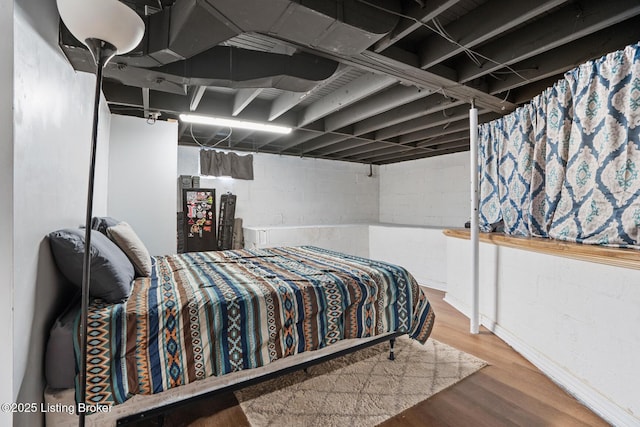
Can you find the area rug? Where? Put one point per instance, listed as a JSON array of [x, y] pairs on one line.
[[360, 389]]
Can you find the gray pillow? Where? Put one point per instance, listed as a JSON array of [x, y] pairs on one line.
[[111, 270], [101, 223]]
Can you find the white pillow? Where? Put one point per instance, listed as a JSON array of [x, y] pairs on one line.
[[127, 240]]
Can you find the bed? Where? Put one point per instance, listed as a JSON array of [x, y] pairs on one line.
[[207, 320]]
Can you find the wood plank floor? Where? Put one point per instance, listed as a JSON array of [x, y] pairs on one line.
[[508, 392]]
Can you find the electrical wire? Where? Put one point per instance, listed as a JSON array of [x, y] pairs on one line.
[[205, 146], [444, 35], [506, 96]]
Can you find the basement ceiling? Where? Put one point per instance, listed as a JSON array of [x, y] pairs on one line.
[[368, 81]]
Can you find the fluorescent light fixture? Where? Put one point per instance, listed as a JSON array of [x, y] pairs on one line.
[[233, 123]]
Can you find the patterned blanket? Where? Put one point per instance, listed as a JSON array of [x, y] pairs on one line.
[[211, 313]]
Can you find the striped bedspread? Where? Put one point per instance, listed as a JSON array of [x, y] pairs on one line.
[[211, 313]]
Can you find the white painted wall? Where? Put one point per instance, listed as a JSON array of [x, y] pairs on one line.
[[421, 250], [349, 239], [6, 209], [432, 191], [142, 179], [575, 320], [294, 191], [52, 118]]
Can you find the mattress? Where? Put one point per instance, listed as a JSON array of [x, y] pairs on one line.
[[211, 314]]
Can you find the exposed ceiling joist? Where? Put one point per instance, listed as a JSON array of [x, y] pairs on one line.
[[288, 100], [297, 137], [196, 97], [419, 15], [356, 90], [390, 154], [243, 98], [440, 118], [410, 74], [322, 142], [481, 25], [373, 147], [446, 138], [585, 18], [430, 80], [345, 145], [570, 55], [412, 110], [425, 136], [373, 105]]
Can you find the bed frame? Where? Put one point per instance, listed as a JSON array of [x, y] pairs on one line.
[[160, 411], [155, 406]]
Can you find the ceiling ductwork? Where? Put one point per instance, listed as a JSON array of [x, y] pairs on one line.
[[189, 27], [396, 99], [188, 34], [233, 67], [230, 67]]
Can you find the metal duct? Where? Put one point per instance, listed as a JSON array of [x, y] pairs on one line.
[[190, 27], [233, 67], [186, 34], [230, 67]]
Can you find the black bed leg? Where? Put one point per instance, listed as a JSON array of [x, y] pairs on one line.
[[392, 342]]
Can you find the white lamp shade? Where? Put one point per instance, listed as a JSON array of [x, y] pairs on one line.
[[106, 20]]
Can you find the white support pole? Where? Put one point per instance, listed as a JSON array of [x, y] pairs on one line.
[[475, 245]]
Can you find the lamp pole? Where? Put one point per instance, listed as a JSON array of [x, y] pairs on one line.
[[102, 53], [107, 28]]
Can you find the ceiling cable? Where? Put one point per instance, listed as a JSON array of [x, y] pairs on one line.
[[205, 146], [449, 39], [443, 33]]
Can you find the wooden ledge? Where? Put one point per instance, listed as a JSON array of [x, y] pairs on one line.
[[619, 257]]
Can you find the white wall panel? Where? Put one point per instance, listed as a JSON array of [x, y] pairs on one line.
[[143, 166], [6, 207], [421, 250], [574, 319], [349, 239]]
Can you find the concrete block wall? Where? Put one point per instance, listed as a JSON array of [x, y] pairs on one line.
[[293, 191], [431, 192]]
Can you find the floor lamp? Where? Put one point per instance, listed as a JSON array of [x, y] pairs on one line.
[[107, 28]]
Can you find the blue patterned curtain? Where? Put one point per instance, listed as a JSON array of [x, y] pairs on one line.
[[567, 164], [553, 126]]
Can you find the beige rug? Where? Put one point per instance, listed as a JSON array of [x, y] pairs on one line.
[[361, 389]]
